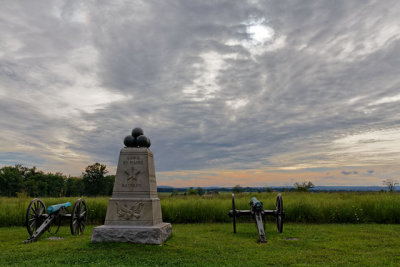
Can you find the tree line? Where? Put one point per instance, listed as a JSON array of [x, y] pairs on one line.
[[19, 180]]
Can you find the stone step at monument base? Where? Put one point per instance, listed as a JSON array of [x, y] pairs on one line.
[[133, 211], [156, 234]]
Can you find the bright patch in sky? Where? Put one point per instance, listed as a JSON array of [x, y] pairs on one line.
[[77, 12], [374, 147], [205, 85], [260, 33], [387, 99], [260, 38], [77, 89], [237, 103]]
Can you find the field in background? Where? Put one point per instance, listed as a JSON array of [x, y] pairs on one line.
[[215, 245], [347, 207]]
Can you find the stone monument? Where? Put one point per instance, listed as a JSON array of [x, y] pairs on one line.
[[134, 210]]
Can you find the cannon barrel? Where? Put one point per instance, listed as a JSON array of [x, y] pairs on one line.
[[256, 205], [53, 208]]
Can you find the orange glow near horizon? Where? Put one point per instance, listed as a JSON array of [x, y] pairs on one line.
[[265, 178]]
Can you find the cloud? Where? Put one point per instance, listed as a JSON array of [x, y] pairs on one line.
[[230, 85], [349, 172]]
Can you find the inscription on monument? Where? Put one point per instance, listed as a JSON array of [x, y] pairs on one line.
[[127, 213], [131, 172], [133, 160], [152, 178], [131, 185]]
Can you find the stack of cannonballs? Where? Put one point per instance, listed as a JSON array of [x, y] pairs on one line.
[[137, 139]]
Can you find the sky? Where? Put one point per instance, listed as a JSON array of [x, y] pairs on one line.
[[250, 93]]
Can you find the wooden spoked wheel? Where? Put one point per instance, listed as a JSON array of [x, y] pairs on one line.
[[56, 223], [279, 213], [234, 213], [78, 217], [34, 215]]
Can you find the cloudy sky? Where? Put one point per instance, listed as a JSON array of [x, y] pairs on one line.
[[256, 93]]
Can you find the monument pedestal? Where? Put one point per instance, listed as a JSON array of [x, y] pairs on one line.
[[134, 210], [156, 234]]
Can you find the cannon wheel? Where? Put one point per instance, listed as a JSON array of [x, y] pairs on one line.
[[34, 219], [279, 213], [55, 225], [78, 217], [234, 213]]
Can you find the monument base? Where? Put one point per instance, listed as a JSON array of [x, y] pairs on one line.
[[156, 234]]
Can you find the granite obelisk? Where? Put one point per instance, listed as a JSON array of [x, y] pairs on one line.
[[134, 210]]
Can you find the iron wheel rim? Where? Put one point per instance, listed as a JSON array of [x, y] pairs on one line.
[[280, 213], [34, 219], [78, 217]]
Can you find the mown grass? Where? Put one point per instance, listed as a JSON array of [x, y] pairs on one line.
[[215, 245], [347, 207]]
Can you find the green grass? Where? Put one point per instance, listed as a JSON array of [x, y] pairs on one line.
[[349, 207], [216, 245]]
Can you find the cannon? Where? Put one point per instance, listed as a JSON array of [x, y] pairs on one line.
[[38, 221], [258, 213]]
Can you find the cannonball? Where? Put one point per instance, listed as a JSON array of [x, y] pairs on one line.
[[142, 141], [130, 141], [149, 143], [136, 132], [135, 142]]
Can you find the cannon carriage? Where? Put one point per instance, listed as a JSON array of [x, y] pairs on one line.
[[39, 219], [258, 213]]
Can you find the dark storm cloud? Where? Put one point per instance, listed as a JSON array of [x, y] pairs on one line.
[[349, 172], [180, 67]]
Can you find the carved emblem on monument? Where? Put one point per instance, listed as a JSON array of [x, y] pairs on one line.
[[131, 173], [127, 213]]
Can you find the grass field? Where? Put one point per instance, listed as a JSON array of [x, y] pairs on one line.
[[215, 245], [349, 207]]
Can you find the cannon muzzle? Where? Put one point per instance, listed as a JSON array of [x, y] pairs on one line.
[[256, 205]]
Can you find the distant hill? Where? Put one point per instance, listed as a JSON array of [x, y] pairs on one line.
[[280, 188], [350, 188]]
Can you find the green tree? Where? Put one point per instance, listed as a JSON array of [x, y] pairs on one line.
[[74, 187], [12, 180], [303, 186], [237, 189], [35, 182], [55, 184], [93, 179], [200, 191], [31, 181], [174, 193], [108, 184], [191, 191]]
